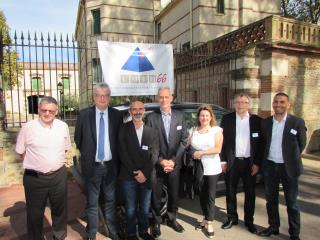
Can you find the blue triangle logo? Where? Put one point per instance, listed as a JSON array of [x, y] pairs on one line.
[[137, 62]]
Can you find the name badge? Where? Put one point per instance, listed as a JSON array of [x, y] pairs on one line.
[[145, 147], [255, 135], [179, 127], [294, 132]]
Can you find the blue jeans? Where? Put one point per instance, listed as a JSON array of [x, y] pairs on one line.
[[137, 203], [104, 179]]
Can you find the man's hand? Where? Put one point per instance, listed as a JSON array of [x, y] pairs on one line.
[[254, 169], [139, 176], [167, 165]]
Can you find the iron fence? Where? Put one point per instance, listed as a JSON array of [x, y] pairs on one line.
[[35, 65]]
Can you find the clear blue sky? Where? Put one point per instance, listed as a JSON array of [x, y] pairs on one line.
[[45, 16]]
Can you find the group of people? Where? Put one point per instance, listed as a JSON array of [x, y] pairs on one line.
[[141, 156]]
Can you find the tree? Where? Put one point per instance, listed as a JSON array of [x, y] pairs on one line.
[[303, 10], [9, 66]]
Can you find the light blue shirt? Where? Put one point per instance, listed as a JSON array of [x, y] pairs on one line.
[[107, 150], [166, 118], [275, 152]]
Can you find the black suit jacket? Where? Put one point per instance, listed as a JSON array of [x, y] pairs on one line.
[[228, 123], [134, 157], [85, 137], [178, 136], [293, 143]]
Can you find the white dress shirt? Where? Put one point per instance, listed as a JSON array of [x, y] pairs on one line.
[[107, 149], [139, 132], [275, 152], [242, 136]]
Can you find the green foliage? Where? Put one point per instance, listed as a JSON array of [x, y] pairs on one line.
[[8, 59], [303, 10], [12, 71], [71, 103], [4, 29]]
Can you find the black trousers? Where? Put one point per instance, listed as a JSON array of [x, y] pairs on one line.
[[274, 174], [171, 180], [38, 189], [208, 196], [241, 169]]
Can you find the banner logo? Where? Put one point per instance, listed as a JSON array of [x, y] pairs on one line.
[[138, 62]]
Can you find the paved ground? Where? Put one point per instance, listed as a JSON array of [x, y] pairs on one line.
[[12, 213]]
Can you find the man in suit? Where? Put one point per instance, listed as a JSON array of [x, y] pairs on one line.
[[138, 152], [240, 153], [96, 136], [173, 137], [285, 138]]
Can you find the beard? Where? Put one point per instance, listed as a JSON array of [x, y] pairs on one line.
[[137, 117]]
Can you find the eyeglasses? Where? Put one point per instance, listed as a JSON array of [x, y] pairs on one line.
[[51, 112], [102, 95], [239, 102]]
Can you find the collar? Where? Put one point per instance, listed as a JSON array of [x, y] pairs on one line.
[[46, 125], [282, 120], [98, 111], [247, 115], [166, 113]]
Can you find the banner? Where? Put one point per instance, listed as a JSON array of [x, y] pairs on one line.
[[136, 68]]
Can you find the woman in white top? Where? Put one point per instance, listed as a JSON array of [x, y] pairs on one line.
[[206, 142]]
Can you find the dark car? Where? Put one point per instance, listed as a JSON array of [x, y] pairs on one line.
[[190, 111]]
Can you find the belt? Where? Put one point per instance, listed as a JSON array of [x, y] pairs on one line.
[[102, 163], [35, 173], [242, 158]]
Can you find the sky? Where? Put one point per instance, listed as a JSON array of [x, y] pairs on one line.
[[53, 16]]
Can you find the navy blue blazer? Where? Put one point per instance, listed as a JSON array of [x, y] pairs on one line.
[[228, 124], [85, 137], [293, 143]]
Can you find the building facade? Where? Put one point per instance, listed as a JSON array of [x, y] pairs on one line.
[[41, 79], [183, 23]]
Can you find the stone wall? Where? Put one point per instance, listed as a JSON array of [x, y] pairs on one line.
[[11, 171]]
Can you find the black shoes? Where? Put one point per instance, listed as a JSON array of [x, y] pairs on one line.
[[229, 223], [175, 226], [268, 232], [132, 238], [251, 228], [146, 236], [156, 230]]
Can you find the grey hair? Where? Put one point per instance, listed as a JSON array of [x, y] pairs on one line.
[[164, 88], [241, 95], [102, 85], [48, 99]]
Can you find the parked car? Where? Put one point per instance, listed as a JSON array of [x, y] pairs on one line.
[[190, 111]]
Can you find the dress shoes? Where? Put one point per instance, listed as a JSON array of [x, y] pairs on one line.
[[251, 228], [268, 232], [146, 236], [229, 223], [175, 226], [132, 238], [156, 232]]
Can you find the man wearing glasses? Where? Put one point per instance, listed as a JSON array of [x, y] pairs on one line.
[[96, 134], [241, 157], [42, 144]]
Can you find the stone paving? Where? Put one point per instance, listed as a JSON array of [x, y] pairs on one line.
[[13, 226]]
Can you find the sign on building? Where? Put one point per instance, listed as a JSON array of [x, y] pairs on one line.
[[136, 68]]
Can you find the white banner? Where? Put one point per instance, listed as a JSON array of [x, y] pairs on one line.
[[136, 68]]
